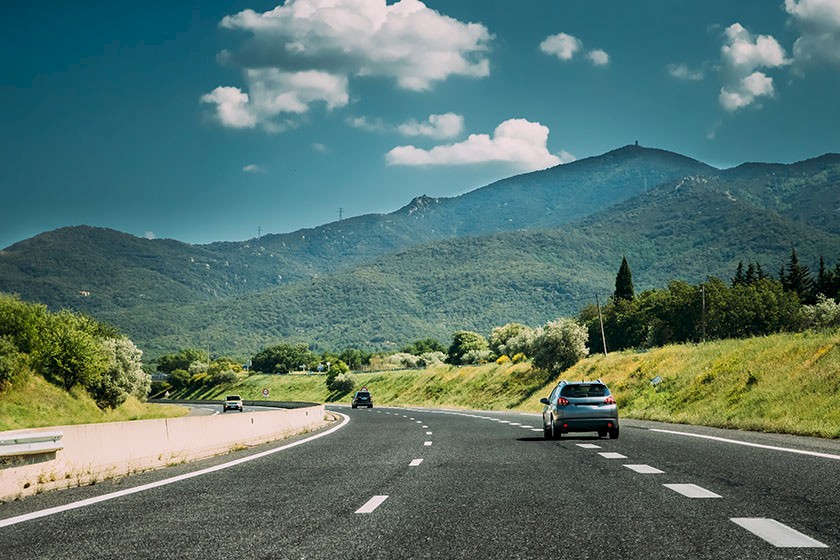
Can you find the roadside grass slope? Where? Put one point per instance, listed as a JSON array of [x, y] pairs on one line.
[[786, 383], [33, 402]]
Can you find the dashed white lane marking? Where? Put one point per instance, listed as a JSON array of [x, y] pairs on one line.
[[427, 443], [419, 421], [424, 426], [748, 444], [428, 433], [415, 463], [777, 534], [372, 504], [166, 481], [692, 491], [515, 424], [644, 469], [536, 429], [589, 446], [527, 427], [611, 455]]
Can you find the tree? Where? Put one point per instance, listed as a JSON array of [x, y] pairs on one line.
[[283, 358], [798, 279], [511, 339], [70, 352], [624, 282], [560, 345], [182, 360], [464, 342], [419, 347]]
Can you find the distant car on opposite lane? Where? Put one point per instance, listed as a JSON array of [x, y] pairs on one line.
[[233, 402], [580, 406], [362, 398]]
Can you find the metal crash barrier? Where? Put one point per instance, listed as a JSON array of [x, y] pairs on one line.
[[27, 448]]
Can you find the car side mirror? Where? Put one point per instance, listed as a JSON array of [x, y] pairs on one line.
[[545, 401]]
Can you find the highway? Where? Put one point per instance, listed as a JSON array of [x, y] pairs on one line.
[[410, 483]]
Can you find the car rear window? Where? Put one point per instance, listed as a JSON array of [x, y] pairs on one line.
[[585, 390], [362, 394], [232, 397]]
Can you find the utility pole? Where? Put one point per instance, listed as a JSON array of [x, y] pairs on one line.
[[703, 312], [259, 232], [340, 213], [601, 320]]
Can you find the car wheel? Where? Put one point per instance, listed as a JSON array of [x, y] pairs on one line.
[[602, 433], [352, 406], [614, 433]]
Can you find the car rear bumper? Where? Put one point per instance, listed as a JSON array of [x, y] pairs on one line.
[[585, 424]]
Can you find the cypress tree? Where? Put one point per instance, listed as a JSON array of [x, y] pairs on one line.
[[624, 282]]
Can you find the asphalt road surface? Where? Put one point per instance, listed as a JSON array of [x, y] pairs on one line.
[[408, 483]]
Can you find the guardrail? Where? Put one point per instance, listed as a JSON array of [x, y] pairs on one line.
[[28, 448]]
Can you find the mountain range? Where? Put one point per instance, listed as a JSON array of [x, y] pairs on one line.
[[528, 248]]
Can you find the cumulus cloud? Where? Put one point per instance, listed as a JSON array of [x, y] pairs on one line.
[[565, 47], [447, 125], [517, 142], [742, 55], [232, 107], [561, 45], [305, 51], [819, 25], [598, 57]]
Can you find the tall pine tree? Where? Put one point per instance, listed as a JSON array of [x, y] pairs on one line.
[[624, 282]]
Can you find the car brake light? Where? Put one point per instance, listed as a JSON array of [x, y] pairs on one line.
[[610, 400], [562, 401]]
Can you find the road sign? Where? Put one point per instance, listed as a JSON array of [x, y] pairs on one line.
[[266, 392]]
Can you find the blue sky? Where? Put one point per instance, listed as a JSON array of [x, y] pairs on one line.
[[215, 121]]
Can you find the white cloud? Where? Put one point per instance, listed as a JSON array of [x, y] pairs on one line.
[[319, 147], [517, 142], [743, 51], [369, 125], [296, 46], [819, 24], [149, 235], [683, 72], [598, 57], [565, 47], [254, 169], [746, 91], [742, 55], [232, 107], [447, 125], [561, 45]]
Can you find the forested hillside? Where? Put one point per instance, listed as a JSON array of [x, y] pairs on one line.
[[527, 249]]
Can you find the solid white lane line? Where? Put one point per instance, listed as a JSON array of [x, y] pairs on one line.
[[427, 443], [748, 444], [372, 504], [692, 491], [166, 481], [589, 446], [415, 463], [777, 534], [644, 469], [610, 455]]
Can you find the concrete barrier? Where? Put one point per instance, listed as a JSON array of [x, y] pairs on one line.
[[93, 452]]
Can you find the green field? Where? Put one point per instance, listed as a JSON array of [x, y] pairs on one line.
[[780, 383]]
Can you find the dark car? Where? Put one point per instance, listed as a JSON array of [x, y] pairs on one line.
[[362, 398], [580, 406]]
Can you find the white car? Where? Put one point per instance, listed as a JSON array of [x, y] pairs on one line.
[[233, 402]]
